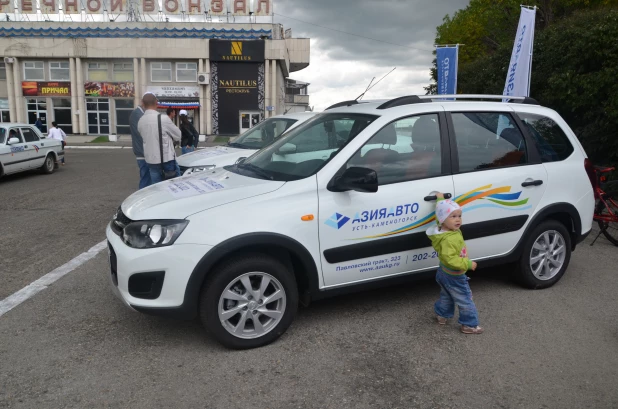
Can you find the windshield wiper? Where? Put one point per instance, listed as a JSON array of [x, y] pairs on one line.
[[237, 145], [258, 171]]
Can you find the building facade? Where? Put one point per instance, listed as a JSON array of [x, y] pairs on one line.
[[88, 77]]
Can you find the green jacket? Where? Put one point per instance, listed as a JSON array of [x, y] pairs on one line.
[[451, 249]]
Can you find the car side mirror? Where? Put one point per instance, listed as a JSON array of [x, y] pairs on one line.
[[13, 141], [286, 149], [362, 180]]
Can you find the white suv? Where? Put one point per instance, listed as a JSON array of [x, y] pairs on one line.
[[342, 202], [243, 146]]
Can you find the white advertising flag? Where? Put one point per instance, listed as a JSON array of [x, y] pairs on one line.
[[518, 76]]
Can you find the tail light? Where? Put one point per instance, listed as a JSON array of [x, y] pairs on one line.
[[592, 174]]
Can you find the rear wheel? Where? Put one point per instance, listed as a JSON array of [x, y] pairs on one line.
[[249, 302], [609, 208], [49, 165], [546, 255]]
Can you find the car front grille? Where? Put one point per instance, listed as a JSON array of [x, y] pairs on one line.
[[119, 222]]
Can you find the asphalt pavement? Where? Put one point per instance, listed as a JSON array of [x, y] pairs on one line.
[[75, 345]]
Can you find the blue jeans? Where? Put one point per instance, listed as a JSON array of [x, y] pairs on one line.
[[144, 174], [155, 170], [185, 149], [455, 290]]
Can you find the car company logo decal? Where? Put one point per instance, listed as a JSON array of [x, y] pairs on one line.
[[337, 221]]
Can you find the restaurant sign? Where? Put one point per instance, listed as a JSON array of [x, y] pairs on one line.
[[175, 92], [110, 89], [46, 89]]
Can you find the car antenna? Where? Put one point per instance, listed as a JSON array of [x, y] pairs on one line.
[[366, 89], [371, 86]]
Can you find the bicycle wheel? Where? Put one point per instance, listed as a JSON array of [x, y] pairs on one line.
[[609, 228]]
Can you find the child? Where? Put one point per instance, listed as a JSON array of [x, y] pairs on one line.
[[447, 240]]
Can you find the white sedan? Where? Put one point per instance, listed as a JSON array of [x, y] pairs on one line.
[[243, 146], [23, 147]]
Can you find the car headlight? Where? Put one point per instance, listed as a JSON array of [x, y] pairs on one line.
[[153, 233], [197, 169]]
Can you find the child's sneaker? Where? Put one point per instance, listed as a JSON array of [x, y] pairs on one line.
[[441, 320], [471, 330]]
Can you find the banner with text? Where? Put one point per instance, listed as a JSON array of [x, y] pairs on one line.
[[212, 7], [447, 69], [174, 91], [46, 89], [110, 89], [518, 75]]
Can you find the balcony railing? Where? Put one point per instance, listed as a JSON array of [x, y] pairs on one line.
[[297, 99]]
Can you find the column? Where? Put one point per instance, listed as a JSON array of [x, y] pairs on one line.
[[136, 83], [143, 78], [19, 100], [266, 87], [202, 110], [273, 85], [74, 106], [11, 91], [208, 96], [81, 96]]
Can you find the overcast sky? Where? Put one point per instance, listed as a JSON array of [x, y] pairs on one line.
[[342, 65]]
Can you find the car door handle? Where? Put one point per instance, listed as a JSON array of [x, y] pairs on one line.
[[434, 197], [532, 183]]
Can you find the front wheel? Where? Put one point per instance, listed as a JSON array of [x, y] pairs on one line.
[[249, 302], [546, 255], [609, 229]]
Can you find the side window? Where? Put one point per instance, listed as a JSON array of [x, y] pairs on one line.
[[488, 141], [14, 133], [29, 135], [549, 138], [404, 150]]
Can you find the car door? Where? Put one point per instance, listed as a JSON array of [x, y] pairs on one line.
[[15, 160], [499, 179], [32, 148], [365, 236]]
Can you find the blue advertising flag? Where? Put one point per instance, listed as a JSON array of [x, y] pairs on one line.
[[447, 70]]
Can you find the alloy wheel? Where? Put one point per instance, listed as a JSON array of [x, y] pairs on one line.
[[252, 305], [547, 255]]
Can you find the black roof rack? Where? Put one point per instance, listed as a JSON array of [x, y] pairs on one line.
[[410, 99], [342, 104]]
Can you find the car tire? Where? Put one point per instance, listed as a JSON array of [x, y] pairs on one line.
[[228, 310], [49, 165], [544, 261]]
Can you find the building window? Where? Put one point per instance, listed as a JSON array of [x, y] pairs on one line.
[[33, 71], [2, 71], [186, 72], [4, 110], [97, 71], [123, 71], [62, 114], [59, 71], [161, 72], [124, 107]]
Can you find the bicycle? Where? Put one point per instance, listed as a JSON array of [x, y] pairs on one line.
[[606, 207]]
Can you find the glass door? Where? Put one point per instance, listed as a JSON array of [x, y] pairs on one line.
[[98, 116], [124, 107], [37, 108], [248, 119], [62, 114]]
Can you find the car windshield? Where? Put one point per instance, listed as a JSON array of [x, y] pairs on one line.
[[2, 135], [304, 150], [262, 134]]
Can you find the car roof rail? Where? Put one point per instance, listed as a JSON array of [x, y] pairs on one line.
[[416, 99], [342, 104]]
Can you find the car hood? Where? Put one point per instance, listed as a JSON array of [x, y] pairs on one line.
[[181, 197], [218, 156]]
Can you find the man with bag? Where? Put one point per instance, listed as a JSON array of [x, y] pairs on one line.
[[159, 133]]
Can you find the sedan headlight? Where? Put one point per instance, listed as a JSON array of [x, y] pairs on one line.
[[197, 169], [153, 233]]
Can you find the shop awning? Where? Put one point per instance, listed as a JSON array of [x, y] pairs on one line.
[[179, 105]]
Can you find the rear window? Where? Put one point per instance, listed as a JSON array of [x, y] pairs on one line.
[[550, 140]]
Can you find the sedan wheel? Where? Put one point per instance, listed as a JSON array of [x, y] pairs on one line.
[[547, 255], [48, 165]]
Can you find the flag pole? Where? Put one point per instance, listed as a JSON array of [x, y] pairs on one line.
[[531, 53]]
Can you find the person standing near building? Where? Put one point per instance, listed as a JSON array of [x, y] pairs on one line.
[[148, 128], [58, 134], [39, 124], [190, 136], [138, 147]]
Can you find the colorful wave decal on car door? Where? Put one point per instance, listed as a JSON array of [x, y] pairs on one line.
[[500, 197]]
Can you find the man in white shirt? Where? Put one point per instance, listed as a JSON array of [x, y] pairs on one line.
[[58, 134], [148, 128]]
